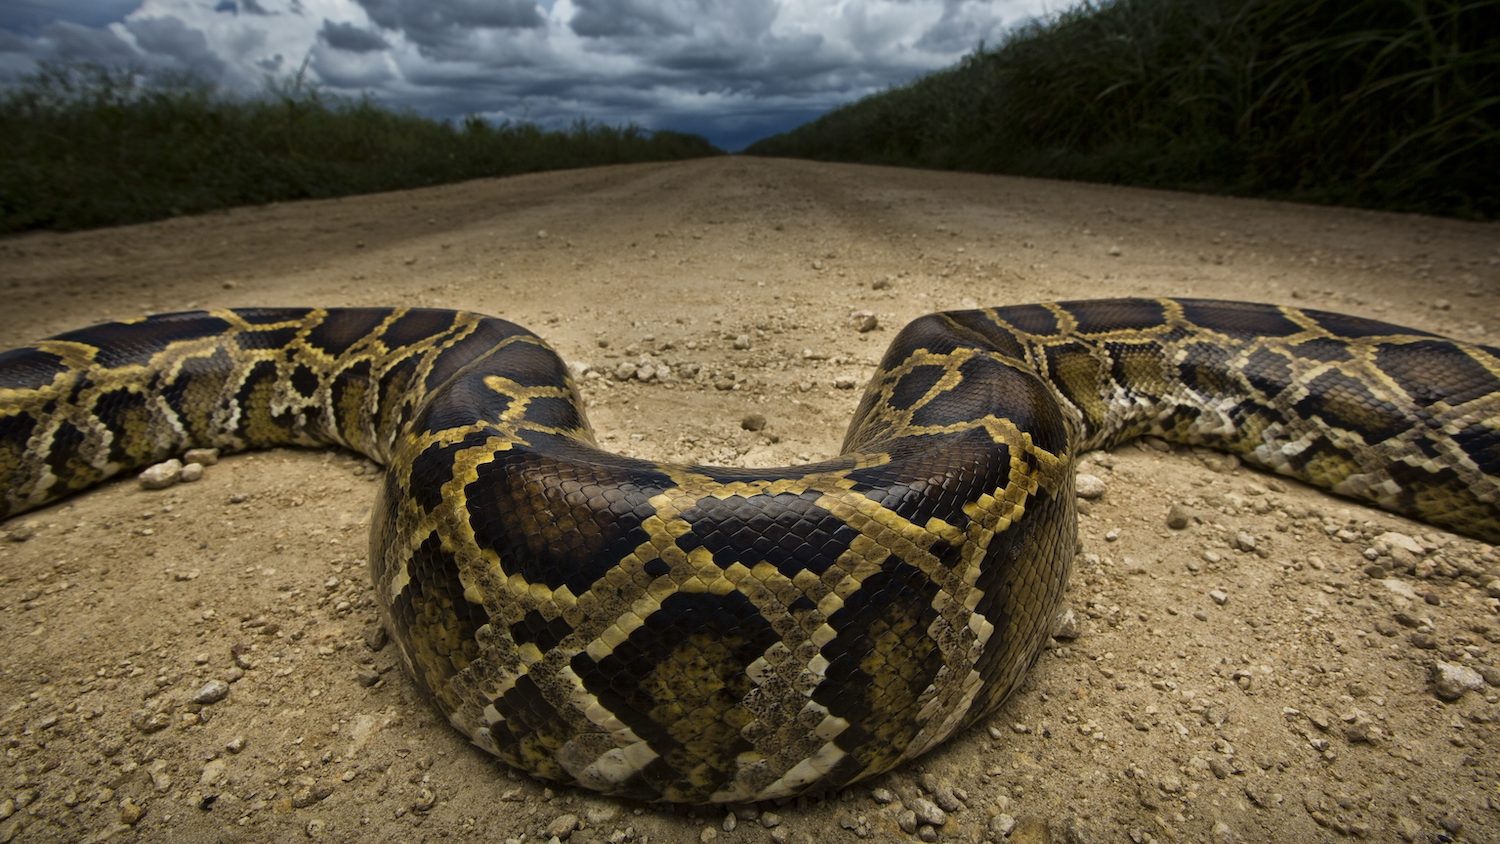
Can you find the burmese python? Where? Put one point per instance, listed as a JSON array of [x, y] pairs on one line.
[[697, 634]]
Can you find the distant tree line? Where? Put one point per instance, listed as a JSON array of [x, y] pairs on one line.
[[92, 146], [1391, 104]]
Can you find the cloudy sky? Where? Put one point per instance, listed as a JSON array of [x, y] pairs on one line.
[[734, 70]]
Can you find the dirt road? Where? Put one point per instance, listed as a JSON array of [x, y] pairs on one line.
[[1297, 708]]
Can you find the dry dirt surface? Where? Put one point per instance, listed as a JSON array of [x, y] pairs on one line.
[[1263, 673]]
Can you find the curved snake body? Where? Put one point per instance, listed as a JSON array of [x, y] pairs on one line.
[[700, 634]]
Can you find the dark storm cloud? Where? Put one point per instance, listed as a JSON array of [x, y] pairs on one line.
[[249, 7], [609, 18], [172, 40], [731, 69], [30, 17], [442, 23], [347, 36], [65, 41], [636, 20]]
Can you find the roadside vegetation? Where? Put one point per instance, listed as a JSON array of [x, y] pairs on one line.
[[90, 146], [1390, 104]]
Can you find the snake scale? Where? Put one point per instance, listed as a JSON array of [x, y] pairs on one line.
[[700, 634]]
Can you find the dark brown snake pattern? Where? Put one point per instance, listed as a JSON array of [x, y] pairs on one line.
[[700, 634]]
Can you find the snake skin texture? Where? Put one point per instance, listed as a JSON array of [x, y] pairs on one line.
[[698, 634]]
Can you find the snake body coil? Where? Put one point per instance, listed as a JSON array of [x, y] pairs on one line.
[[698, 634]]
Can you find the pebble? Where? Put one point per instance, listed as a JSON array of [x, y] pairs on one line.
[[1030, 830], [943, 794], [1391, 540], [213, 772], [153, 722], [742, 341], [562, 827], [1360, 732], [1451, 682], [162, 475], [1491, 674], [863, 321], [235, 745], [880, 284], [882, 795], [843, 382], [191, 472], [1065, 626], [1088, 486], [212, 692], [1179, 517], [201, 456], [928, 811], [308, 796], [1423, 641], [753, 422], [376, 637], [130, 812], [624, 371], [1219, 596], [1244, 541], [1115, 251]]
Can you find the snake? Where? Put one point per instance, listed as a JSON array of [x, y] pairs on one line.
[[700, 634]]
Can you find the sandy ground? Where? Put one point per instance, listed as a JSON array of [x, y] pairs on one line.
[[1298, 709]]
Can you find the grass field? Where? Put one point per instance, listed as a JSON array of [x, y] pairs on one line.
[[1391, 104], [89, 146]]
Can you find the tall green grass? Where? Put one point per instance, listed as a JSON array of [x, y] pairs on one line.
[[91, 146], [1391, 104]]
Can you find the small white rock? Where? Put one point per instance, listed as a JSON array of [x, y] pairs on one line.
[[1089, 487], [1219, 596], [212, 692], [863, 321], [162, 475], [1065, 625], [927, 811], [1392, 540], [213, 772], [192, 472], [1451, 681]]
